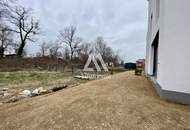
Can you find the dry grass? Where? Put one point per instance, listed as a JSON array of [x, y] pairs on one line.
[[35, 78]]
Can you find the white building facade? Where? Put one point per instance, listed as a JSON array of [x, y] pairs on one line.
[[168, 48]]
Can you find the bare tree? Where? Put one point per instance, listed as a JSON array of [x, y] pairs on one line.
[[106, 52], [44, 47], [5, 39], [66, 53], [25, 26], [54, 50], [68, 36], [100, 46], [84, 50], [4, 8]]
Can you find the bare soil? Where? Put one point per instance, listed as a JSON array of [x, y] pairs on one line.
[[120, 102]]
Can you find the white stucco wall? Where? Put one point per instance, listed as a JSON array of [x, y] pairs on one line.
[[174, 45], [152, 30]]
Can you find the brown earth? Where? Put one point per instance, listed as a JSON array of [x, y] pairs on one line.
[[120, 102]]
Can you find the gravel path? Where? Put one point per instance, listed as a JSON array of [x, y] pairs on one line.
[[120, 102]]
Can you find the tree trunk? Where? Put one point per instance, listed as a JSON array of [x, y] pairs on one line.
[[20, 49], [2, 52], [72, 55]]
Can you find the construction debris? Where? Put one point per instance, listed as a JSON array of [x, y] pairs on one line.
[[14, 97], [89, 76], [57, 88], [26, 93], [39, 91], [82, 77]]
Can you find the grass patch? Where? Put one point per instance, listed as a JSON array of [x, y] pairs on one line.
[[41, 77], [38, 78]]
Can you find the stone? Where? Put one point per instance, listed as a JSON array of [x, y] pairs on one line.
[[42, 90], [12, 100], [5, 89], [26, 93], [35, 92], [39, 91], [6, 94], [1, 93], [45, 91]]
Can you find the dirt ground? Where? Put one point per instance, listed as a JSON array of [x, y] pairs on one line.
[[120, 102]]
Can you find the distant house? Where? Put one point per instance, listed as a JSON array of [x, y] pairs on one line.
[[168, 48]]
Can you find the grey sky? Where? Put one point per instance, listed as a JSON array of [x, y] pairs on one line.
[[122, 23]]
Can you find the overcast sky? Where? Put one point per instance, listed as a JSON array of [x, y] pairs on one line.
[[122, 23]]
